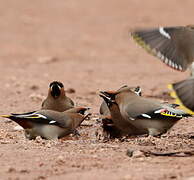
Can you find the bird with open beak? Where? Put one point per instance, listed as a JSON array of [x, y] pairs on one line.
[[56, 99], [147, 116], [50, 124]]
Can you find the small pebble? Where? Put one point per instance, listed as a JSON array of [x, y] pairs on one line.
[[36, 97], [70, 90], [11, 169], [18, 128], [47, 60], [38, 139], [135, 153], [34, 87], [48, 145], [60, 159]]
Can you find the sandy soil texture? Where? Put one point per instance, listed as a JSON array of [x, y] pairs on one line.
[[86, 45]]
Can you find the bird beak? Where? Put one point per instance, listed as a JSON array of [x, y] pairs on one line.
[[110, 94], [84, 110], [138, 91], [106, 99]]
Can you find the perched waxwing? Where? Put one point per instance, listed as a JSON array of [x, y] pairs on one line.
[[57, 99], [173, 45], [147, 115], [183, 92], [115, 125], [109, 129], [49, 124]]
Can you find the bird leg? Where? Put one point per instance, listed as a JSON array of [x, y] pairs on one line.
[[76, 133]]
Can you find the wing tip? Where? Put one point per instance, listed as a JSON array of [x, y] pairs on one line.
[[139, 40]]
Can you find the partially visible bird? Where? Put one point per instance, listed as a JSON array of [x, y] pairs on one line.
[[56, 99], [173, 45], [147, 115], [49, 124], [115, 125], [109, 129], [104, 110], [183, 92]]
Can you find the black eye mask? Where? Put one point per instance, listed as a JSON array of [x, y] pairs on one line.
[[56, 83], [55, 91]]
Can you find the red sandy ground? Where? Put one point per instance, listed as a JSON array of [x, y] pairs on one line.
[[86, 45]]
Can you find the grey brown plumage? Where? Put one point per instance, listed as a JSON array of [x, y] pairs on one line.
[[148, 116], [173, 45], [104, 110], [120, 125], [56, 99], [109, 129], [48, 124]]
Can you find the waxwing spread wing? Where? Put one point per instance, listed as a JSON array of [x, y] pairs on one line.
[[173, 45]]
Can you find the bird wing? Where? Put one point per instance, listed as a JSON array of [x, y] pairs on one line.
[[168, 44], [148, 109], [44, 117]]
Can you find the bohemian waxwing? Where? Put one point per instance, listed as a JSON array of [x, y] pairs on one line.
[[147, 115], [183, 92], [173, 45], [49, 124], [109, 129], [115, 125], [57, 99], [104, 110]]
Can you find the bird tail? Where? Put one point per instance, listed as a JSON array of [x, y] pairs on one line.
[[183, 95], [29, 115], [5, 116]]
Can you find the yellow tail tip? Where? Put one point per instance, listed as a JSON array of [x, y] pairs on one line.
[[170, 86], [5, 116], [173, 94]]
